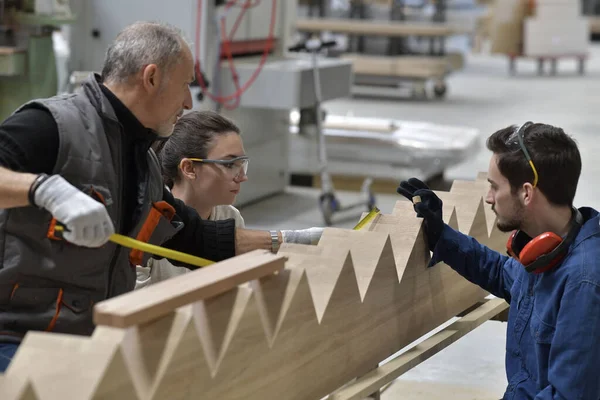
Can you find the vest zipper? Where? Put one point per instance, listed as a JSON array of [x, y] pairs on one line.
[[119, 215]]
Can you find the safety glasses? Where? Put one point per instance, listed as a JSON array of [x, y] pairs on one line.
[[517, 138], [234, 166]]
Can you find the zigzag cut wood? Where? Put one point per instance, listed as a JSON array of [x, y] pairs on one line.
[[308, 322]]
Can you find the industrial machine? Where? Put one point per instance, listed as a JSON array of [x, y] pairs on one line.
[[383, 148], [268, 81], [27, 59], [329, 203], [245, 71]]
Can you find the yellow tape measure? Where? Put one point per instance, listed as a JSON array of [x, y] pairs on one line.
[[131, 243], [367, 218]]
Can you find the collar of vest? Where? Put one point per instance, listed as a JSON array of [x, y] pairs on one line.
[[117, 112], [91, 87]]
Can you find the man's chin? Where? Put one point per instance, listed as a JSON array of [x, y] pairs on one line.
[[165, 131], [505, 227]]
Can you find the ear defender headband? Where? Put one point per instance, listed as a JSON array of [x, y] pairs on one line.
[[545, 251], [519, 137]]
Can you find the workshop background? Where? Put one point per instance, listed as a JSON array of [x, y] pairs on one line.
[[404, 88]]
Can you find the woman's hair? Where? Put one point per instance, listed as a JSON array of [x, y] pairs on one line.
[[192, 137]]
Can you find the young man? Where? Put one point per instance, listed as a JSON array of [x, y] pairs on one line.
[[84, 160], [553, 336]]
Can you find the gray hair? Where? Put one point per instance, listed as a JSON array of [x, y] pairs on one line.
[[140, 44]]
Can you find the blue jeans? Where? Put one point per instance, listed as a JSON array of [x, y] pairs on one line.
[[7, 352]]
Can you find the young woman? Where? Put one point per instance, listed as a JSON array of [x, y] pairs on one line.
[[204, 164]]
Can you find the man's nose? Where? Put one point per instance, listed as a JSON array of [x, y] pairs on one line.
[[187, 103], [489, 198]]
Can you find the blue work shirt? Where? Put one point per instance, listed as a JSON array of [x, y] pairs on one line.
[[553, 331]]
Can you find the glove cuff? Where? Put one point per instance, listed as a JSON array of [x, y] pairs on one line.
[[41, 178]]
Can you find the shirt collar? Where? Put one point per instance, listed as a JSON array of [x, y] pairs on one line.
[[132, 126], [591, 224]]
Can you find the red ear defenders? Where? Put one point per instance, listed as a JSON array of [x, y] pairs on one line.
[[545, 251]]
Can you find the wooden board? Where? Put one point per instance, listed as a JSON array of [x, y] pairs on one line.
[[400, 66], [333, 313], [377, 28], [594, 22], [8, 50], [423, 390], [157, 300]]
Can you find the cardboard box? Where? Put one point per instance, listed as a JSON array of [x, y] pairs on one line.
[[544, 37], [552, 11], [506, 28]]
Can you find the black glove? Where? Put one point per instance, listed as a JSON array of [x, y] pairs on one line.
[[429, 208]]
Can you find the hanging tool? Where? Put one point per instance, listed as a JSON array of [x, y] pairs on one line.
[[328, 202]]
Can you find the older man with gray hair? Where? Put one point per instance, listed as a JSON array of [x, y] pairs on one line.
[[84, 160]]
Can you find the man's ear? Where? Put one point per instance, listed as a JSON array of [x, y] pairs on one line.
[[527, 193], [151, 78], [186, 166]]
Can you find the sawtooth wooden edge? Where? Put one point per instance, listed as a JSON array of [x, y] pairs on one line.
[[480, 187], [17, 389], [334, 312], [141, 306]]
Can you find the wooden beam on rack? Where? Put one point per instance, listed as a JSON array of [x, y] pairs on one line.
[[400, 66], [378, 28], [391, 370]]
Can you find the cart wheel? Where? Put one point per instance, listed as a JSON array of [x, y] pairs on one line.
[[328, 205], [512, 66], [540, 66], [439, 90], [553, 66], [581, 66], [419, 91]]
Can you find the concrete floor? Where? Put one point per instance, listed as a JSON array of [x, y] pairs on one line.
[[484, 96]]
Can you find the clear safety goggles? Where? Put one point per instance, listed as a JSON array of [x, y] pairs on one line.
[[235, 166]]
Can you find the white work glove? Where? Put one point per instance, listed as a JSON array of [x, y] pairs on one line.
[[86, 219], [303, 236]]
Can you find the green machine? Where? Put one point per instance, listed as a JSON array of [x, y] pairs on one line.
[[27, 60]]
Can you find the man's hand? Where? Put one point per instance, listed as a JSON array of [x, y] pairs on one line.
[[303, 236], [427, 205], [86, 219]]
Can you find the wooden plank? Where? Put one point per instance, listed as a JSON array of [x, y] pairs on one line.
[[400, 66], [17, 388], [377, 28], [391, 370], [8, 50], [594, 22], [390, 127], [354, 183], [426, 390], [152, 302]]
